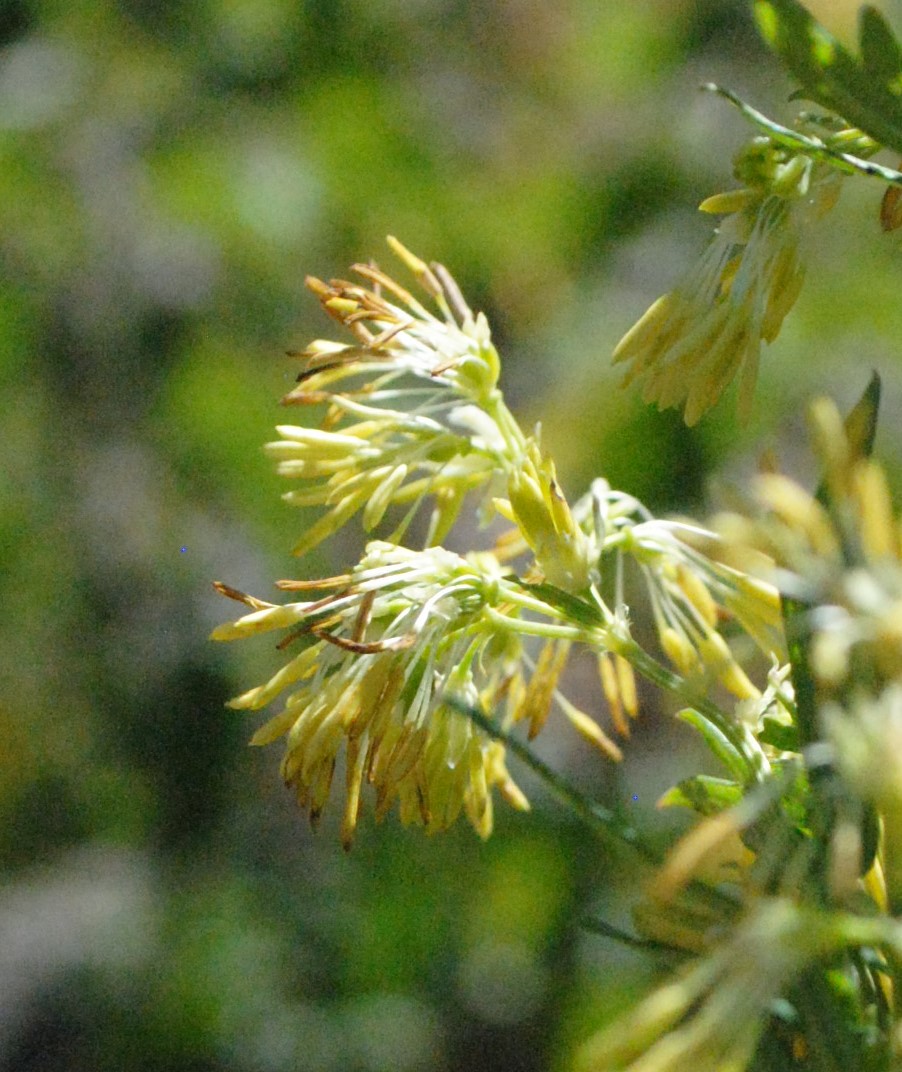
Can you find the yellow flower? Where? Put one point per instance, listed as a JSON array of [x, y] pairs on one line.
[[380, 659], [692, 342], [384, 663], [413, 411], [710, 1016], [838, 554], [691, 593]]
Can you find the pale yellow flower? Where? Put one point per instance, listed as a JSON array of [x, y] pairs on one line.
[[710, 1016], [412, 407], [692, 342], [839, 556], [691, 593], [385, 662]]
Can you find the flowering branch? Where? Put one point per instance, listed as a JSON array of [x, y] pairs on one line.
[[778, 627]]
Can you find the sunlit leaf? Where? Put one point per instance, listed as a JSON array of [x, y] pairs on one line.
[[865, 92]]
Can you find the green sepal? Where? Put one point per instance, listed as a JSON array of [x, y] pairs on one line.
[[703, 794], [865, 92]]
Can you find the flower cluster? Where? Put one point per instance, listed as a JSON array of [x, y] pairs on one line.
[[712, 1015], [412, 407], [837, 554], [691, 592], [410, 411], [407, 677], [386, 662], [692, 342]]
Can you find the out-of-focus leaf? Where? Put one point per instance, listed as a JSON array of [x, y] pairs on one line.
[[880, 51], [717, 742], [779, 735], [703, 794], [865, 92], [861, 423]]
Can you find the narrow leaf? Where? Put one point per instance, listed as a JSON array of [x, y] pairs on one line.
[[703, 794], [861, 424], [717, 742], [881, 55]]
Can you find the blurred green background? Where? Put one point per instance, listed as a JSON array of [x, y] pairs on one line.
[[169, 172]]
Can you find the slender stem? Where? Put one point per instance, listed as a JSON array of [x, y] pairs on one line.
[[506, 424], [608, 930], [550, 630], [736, 733], [602, 820]]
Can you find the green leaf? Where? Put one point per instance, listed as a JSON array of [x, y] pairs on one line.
[[880, 51], [861, 423], [717, 743], [577, 610], [865, 93], [779, 735], [703, 794]]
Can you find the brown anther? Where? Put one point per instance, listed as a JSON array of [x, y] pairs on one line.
[[364, 614], [319, 288], [337, 581], [440, 370], [240, 597], [380, 279], [305, 398], [373, 648], [294, 635], [389, 333]]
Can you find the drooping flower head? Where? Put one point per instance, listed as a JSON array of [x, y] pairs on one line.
[[692, 342], [385, 662]]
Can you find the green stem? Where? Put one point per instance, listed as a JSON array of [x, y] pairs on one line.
[[549, 630], [757, 765], [602, 820], [507, 425]]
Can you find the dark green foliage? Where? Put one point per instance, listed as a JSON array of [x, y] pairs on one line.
[[866, 92]]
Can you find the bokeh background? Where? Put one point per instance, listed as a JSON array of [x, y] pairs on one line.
[[169, 172]]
